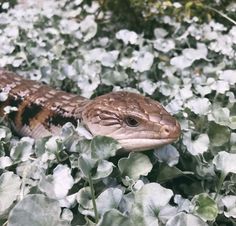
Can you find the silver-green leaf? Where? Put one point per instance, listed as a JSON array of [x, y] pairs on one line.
[[9, 190], [37, 210]]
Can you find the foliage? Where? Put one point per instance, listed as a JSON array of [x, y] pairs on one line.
[[186, 62], [143, 15], [6, 4]]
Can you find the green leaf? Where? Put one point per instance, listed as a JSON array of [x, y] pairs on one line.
[[203, 90], [5, 133], [183, 204], [36, 210], [103, 169], [67, 215], [83, 147], [142, 61], [229, 202], [109, 58], [205, 207], [168, 154], [5, 161], [220, 116], [23, 149], [185, 219], [232, 124], [233, 142], [2, 133], [228, 76], [98, 169], [189, 56], [200, 106], [220, 87], [218, 134], [113, 77], [167, 212], [167, 173], [127, 36], [186, 92], [57, 185], [86, 164], [40, 146], [197, 146], [148, 86], [206, 171], [88, 27], [3, 96], [9, 190], [225, 162], [106, 201], [54, 145], [148, 202], [164, 44], [84, 198], [104, 147], [114, 218], [134, 166]]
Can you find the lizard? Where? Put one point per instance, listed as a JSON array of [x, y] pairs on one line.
[[137, 122]]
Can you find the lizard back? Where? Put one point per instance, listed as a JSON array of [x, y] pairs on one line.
[[41, 110]]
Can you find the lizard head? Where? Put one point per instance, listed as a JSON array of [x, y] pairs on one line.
[[136, 122]]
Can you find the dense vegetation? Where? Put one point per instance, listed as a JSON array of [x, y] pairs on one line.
[[181, 53]]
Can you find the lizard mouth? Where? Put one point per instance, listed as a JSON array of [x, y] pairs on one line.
[[144, 144]]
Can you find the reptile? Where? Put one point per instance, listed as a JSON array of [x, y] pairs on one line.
[[138, 123]]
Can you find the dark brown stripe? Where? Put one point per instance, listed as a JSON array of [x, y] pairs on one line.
[[14, 102], [41, 118], [58, 119], [29, 112], [2, 105]]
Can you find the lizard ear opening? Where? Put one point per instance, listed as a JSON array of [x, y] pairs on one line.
[[131, 121]]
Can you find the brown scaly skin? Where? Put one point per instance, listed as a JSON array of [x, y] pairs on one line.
[[137, 122]]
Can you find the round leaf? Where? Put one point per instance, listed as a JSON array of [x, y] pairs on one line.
[[114, 218], [229, 202], [225, 162], [36, 210], [198, 146], [9, 190], [185, 219], [108, 200], [218, 134], [200, 106], [84, 198], [104, 169], [23, 149], [148, 202], [229, 76], [86, 164], [205, 207], [168, 154], [104, 147], [57, 185], [135, 165]]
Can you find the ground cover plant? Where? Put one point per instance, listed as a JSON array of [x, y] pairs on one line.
[[181, 53]]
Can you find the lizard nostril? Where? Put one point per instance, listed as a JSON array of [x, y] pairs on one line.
[[166, 130]]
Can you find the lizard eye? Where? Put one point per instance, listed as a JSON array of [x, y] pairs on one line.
[[131, 121]]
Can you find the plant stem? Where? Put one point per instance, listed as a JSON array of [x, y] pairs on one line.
[[220, 183], [93, 198], [222, 14]]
